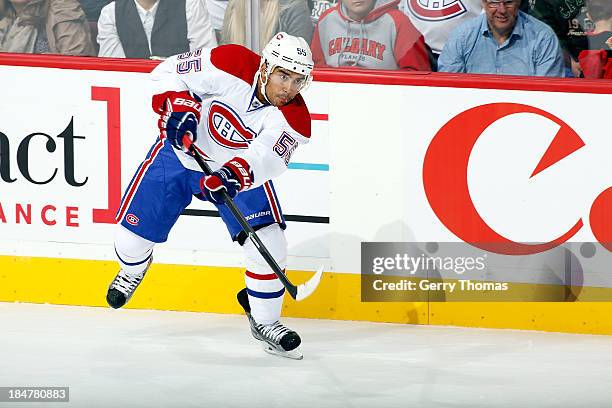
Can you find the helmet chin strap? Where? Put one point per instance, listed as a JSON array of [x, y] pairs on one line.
[[263, 83]]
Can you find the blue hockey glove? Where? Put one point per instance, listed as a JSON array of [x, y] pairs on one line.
[[233, 177], [179, 115]]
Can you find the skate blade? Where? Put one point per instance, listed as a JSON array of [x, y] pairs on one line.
[[295, 354]]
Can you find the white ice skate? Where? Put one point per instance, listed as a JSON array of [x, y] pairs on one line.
[[276, 338]]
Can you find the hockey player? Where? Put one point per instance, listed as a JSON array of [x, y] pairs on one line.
[[246, 117]]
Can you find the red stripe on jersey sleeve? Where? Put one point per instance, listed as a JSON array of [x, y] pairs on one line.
[[409, 50]]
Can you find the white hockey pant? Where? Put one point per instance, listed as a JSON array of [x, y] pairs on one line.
[[264, 288], [133, 252]]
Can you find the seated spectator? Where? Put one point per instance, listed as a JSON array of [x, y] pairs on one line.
[[370, 34], [318, 7], [436, 20], [503, 40], [153, 28], [92, 8], [596, 62], [216, 10], [44, 27], [569, 21], [289, 16]]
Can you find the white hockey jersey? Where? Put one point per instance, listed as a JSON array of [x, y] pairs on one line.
[[436, 19], [234, 123]]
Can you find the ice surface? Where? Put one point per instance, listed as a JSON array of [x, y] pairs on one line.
[[138, 358]]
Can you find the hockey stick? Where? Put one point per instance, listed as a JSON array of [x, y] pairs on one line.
[[299, 292]]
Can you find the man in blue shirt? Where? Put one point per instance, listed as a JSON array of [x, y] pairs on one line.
[[503, 40]]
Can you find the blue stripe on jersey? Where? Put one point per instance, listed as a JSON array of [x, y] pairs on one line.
[[266, 295]]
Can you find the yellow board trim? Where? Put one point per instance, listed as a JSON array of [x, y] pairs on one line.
[[213, 289]]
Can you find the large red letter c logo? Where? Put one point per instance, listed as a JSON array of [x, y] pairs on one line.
[[445, 175]]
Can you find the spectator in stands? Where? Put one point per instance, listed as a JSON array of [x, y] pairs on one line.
[[596, 62], [92, 8], [503, 40], [370, 34], [289, 16], [216, 10], [44, 27], [153, 28], [438, 19], [318, 7], [569, 21]]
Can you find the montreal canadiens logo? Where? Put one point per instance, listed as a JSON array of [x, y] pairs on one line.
[[226, 128], [436, 10], [132, 219]]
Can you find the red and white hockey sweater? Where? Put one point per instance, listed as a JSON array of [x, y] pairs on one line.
[[234, 123]]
